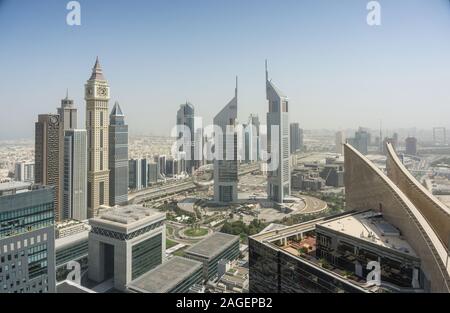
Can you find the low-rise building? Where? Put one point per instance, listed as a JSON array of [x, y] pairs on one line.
[[177, 275], [212, 249], [125, 243]]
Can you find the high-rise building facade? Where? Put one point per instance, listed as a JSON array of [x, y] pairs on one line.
[[48, 157], [185, 118], [153, 173], [138, 174], [161, 160], [339, 142], [68, 114], [24, 171], [296, 137], [226, 162], [97, 97], [73, 147], [361, 141], [27, 254], [118, 157], [411, 146], [75, 175], [278, 174], [251, 139]]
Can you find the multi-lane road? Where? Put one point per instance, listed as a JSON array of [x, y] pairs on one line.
[[180, 186]]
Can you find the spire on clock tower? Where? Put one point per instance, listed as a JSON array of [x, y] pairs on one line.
[[97, 72]]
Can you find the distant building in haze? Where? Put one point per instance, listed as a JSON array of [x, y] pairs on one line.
[[361, 141], [138, 174], [296, 137], [185, 118], [24, 171], [411, 146], [339, 142]]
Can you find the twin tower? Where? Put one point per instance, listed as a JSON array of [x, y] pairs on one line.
[[278, 147]]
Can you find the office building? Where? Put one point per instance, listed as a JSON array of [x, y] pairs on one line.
[[439, 136], [185, 119], [24, 171], [306, 179], [411, 146], [138, 174], [212, 249], [172, 167], [278, 142], [422, 220], [27, 252], [71, 244], [253, 131], [226, 161], [97, 97], [161, 160], [361, 141], [339, 142], [383, 224], [125, 243], [153, 173], [199, 140], [118, 157], [75, 175], [296, 137], [177, 275], [48, 157], [333, 175], [68, 114]]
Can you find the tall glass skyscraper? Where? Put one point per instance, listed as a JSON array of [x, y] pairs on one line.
[[118, 157], [226, 167], [27, 249], [279, 173], [185, 117], [75, 175]]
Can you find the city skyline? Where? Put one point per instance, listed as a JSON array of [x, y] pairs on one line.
[[357, 72], [337, 181]]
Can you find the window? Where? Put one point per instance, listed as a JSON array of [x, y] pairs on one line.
[[101, 192]]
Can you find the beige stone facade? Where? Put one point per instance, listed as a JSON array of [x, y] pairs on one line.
[[97, 121], [367, 187], [436, 213]]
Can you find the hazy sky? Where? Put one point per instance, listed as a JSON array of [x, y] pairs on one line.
[[336, 70]]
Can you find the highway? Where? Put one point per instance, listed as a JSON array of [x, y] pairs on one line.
[[173, 188]]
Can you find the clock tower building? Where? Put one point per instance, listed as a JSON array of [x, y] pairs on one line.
[[97, 97]]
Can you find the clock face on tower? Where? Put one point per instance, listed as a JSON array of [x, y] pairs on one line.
[[53, 120], [102, 91]]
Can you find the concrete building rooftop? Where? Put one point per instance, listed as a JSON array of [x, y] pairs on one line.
[[372, 227], [212, 245], [128, 214], [166, 276], [72, 239], [14, 185], [127, 218], [68, 286]]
